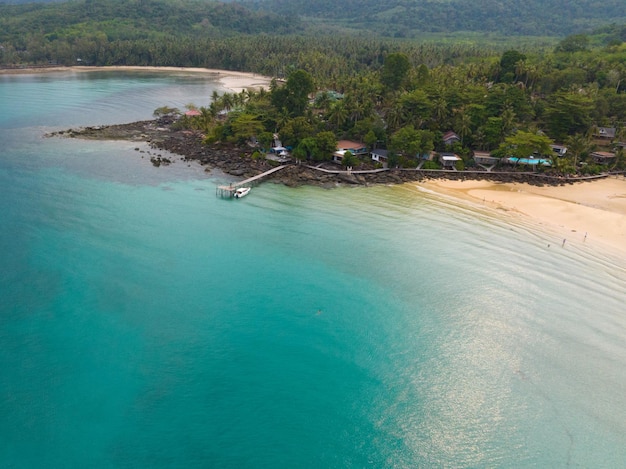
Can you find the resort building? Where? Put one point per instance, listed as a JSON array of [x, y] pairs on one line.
[[450, 138], [559, 150], [602, 157], [380, 156], [449, 160], [485, 160], [356, 148], [605, 133]]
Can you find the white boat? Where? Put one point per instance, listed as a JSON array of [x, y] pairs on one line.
[[241, 192]]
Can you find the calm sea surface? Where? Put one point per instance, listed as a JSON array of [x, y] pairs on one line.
[[144, 322]]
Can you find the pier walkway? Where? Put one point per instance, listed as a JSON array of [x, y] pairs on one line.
[[229, 190]]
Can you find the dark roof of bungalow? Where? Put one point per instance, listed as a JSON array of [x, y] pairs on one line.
[[450, 135], [379, 152], [602, 154], [608, 132]]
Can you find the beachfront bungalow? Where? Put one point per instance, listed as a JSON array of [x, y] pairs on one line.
[[449, 160], [356, 148], [559, 150], [602, 157], [605, 133], [193, 113], [450, 138], [380, 156], [603, 136], [485, 160]]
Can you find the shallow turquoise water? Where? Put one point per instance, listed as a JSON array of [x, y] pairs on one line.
[[145, 322]]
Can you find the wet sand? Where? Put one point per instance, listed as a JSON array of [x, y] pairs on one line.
[[588, 212], [234, 81]]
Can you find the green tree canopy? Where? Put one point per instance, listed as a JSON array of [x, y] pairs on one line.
[[573, 43], [395, 70], [568, 112], [245, 126], [411, 142], [508, 62], [326, 145], [294, 96], [295, 130], [523, 144], [307, 148]]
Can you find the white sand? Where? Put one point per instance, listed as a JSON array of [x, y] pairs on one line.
[[587, 212], [234, 81]]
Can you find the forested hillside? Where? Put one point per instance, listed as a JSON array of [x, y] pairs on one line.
[[137, 19], [410, 18], [196, 33], [19, 2], [388, 18]]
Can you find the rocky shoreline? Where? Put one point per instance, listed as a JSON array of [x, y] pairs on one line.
[[237, 161]]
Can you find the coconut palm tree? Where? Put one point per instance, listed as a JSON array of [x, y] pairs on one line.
[[440, 111], [577, 146], [508, 119], [337, 115], [464, 124]]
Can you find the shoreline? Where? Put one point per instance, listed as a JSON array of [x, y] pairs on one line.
[[232, 80], [591, 214], [587, 214], [567, 209]]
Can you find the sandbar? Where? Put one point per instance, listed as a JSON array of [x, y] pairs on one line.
[[234, 81], [585, 213]]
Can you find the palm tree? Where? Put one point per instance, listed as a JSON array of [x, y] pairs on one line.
[[282, 118], [396, 116], [479, 139], [508, 119], [227, 101], [205, 119], [464, 124], [440, 111], [521, 69], [577, 146], [338, 115]]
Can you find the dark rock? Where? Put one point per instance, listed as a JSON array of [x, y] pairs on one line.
[[237, 161]]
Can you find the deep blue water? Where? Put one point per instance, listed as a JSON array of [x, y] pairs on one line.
[[145, 322]]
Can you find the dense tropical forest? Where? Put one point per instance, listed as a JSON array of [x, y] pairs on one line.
[[509, 98], [411, 18]]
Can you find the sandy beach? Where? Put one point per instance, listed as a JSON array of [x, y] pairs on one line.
[[234, 81], [589, 213]]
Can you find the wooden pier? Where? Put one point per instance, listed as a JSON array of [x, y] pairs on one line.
[[229, 191]]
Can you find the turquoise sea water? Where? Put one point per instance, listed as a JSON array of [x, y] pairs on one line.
[[144, 322]]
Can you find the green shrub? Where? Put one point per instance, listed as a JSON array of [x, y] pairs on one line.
[[431, 165]]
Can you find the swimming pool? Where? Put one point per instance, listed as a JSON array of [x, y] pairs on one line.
[[532, 161]]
